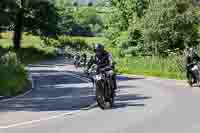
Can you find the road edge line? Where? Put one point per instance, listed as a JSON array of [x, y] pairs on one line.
[[52, 117]]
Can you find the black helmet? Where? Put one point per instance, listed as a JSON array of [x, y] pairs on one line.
[[99, 47]]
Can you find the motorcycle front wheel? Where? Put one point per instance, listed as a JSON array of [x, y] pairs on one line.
[[100, 97], [190, 80], [197, 77]]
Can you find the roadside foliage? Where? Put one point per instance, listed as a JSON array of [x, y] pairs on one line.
[[145, 36]]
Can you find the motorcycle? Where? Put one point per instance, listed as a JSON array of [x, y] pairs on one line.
[[103, 85], [194, 75], [77, 64]]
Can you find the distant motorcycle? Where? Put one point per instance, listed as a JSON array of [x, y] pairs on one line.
[[194, 75], [103, 85], [77, 64], [77, 61]]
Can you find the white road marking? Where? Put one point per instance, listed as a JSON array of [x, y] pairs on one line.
[[48, 118], [53, 98], [75, 85], [13, 98], [52, 117]]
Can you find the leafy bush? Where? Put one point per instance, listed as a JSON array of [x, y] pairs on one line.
[[3, 51], [52, 42], [112, 34], [9, 59], [65, 40], [154, 26], [32, 54], [89, 19], [74, 43], [166, 25], [14, 79], [131, 51]]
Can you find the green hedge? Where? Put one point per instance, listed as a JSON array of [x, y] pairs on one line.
[[78, 44], [14, 79]]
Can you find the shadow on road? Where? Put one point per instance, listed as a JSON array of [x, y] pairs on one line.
[[121, 87], [54, 91], [129, 97], [126, 78], [128, 100], [61, 91], [123, 101]]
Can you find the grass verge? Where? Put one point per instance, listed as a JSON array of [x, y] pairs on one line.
[[33, 48], [153, 66]]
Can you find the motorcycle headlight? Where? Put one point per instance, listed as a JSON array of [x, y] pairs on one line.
[[195, 67], [98, 77]]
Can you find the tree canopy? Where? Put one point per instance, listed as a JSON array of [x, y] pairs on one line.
[[38, 17], [156, 26]]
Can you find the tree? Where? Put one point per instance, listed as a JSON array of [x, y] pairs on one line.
[[156, 26], [75, 4], [127, 9], [42, 18], [170, 25], [90, 4], [88, 19], [62, 3], [103, 3], [7, 15], [66, 22], [19, 25], [39, 17]]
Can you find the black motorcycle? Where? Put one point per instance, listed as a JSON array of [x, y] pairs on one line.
[[77, 64], [103, 85], [194, 76]]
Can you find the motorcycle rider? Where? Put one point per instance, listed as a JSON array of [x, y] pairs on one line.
[[91, 60], [77, 59], [84, 59], [191, 58], [103, 60]]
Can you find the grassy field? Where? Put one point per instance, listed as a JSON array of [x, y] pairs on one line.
[[28, 40], [93, 40], [153, 66], [33, 48]]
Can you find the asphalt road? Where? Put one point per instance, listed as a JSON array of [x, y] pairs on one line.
[[62, 102]]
